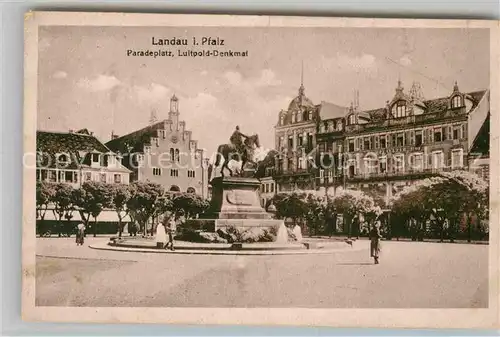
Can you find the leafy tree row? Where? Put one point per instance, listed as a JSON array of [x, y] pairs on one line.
[[141, 201], [446, 202], [319, 212]]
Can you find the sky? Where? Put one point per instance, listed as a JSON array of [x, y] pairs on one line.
[[86, 80]]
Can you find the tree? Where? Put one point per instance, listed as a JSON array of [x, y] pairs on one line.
[[44, 194], [356, 204], [142, 202], [120, 194], [92, 198], [63, 200], [474, 197], [290, 205], [412, 206], [188, 205]]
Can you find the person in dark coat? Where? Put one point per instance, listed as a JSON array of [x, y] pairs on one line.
[[80, 234], [375, 241]]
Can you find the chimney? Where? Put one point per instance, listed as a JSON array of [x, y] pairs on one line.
[[71, 131], [114, 136]]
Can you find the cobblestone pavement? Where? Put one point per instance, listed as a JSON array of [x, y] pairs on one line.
[[411, 275]]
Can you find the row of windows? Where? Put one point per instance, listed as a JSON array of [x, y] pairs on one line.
[[298, 116], [307, 138], [408, 138], [72, 176], [173, 172], [413, 162], [330, 126]]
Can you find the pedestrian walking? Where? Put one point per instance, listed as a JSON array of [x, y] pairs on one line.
[[80, 234], [375, 241], [171, 229]]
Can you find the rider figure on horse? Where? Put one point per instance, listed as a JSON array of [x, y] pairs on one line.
[[237, 140]]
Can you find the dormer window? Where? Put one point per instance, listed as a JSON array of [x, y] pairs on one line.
[[399, 109], [310, 115], [282, 119], [456, 102], [352, 119]]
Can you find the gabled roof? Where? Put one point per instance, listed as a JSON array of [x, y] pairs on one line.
[[135, 141], [329, 110], [436, 105], [76, 147], [58, 142]]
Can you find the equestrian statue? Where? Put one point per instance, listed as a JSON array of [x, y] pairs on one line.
[[241, 148]]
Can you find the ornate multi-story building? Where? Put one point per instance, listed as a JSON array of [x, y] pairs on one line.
[[409, 139], [296, 141], [165, 153], [380, 150], [77, 157]]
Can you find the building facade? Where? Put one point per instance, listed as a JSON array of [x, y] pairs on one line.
[[77, 157], [165, 153], [409, 139], [382, 150], [296, 141]]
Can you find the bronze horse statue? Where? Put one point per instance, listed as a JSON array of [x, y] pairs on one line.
[[229, 152]]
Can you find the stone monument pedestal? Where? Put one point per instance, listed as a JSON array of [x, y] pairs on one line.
[[236, 203]]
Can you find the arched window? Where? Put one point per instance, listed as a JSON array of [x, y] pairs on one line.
[[310, 115], [172, 154], [352, 119], [191, 190], [456, 102], [177, 155], [294, 117], [282, 119], [174, 188]]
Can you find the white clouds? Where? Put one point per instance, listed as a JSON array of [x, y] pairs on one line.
[[405, 60], [99, 83], [363, 62], [60, 74], [267, 78], [152, 93], [233, 77], [346, 63]]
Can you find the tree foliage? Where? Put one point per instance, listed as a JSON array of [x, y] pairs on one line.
[[189, 205], [44, 194], [92, 198], [143, 201]]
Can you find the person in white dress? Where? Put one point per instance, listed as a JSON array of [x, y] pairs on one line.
[[161, 235]]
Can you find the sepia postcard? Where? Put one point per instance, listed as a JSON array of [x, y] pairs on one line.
[[260, 170]]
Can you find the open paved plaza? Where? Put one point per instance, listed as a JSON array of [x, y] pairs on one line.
[[411, 275]]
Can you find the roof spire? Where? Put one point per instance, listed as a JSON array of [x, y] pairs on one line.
[[153, 118], [455, 87], [301, 88]]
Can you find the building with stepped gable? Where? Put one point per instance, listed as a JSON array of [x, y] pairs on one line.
[[166, 153]]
